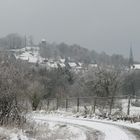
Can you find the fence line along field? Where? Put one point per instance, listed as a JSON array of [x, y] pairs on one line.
[[118, 105]]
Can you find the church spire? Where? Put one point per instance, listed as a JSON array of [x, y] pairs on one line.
[[131, 60]]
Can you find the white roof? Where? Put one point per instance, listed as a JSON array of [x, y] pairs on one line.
[[52, 65], [93, 65], [72, 64], [62, 65], [62, 60], [137, 66]]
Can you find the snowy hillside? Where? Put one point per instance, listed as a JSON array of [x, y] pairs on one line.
[[32, 55]]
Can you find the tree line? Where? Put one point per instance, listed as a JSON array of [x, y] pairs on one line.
[[77, 53], [24, 85], [52, 50]]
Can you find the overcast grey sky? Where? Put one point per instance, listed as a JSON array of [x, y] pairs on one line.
[[102, 25]]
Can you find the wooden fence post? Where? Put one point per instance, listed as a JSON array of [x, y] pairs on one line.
[[66, 104], [111, 105], [78, 103], [48, 104], [57, 103], [128, 109], [94, 107]]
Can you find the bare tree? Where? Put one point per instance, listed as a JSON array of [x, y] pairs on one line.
[[105, 82], [131, 81]]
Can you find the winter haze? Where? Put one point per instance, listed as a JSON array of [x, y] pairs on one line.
[[102, 25]]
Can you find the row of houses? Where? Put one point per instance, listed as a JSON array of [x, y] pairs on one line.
[[32, 55]]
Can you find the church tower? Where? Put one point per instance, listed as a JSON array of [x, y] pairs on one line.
[[131, 59]]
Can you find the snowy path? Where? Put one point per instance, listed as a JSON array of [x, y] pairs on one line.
[[81, 132], [110, 131]]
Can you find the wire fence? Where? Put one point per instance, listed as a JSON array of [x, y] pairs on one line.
[[128, 105]]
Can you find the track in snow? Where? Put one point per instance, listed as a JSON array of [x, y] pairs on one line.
[[109, 131], [87, 132]]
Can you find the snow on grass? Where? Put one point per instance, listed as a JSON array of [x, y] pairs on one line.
[[42, 130], [11, 134], [110, 129], [134, 111]]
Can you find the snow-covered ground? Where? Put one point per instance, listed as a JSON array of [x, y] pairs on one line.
[[54, 130], [134, 111], [42, 130], [11, 134], [109, 130], [65, 126], [32, 55], [50, 130]]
